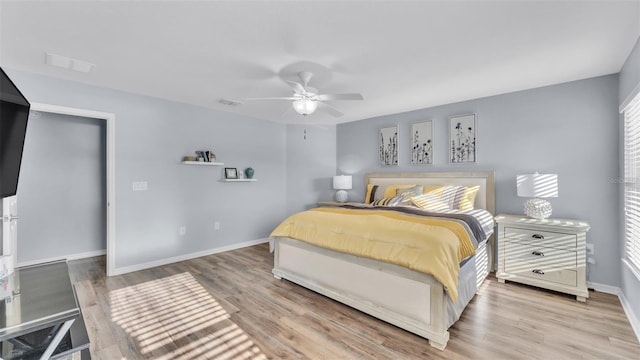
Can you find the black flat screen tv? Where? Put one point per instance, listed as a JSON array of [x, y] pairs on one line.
[[14, 113]]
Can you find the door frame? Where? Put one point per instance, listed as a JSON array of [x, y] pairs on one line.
[[110, 119], [8, 240]]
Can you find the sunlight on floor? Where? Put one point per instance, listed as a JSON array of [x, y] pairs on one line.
[[176, 318]]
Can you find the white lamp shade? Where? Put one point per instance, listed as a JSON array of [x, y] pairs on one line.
[[342, 182], [537, 185], [305, 106]]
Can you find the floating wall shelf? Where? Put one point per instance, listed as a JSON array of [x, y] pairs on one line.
[[239, 180], [202, 163]]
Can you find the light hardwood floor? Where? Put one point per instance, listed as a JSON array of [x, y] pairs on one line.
[[229, 306]]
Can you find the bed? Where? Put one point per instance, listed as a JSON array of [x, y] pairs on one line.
[[410, 299]]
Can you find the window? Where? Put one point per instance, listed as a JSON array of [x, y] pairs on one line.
[[632, 184]]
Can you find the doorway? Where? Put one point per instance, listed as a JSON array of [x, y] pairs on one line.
[[105, 122]]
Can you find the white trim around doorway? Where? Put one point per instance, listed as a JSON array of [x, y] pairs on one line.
[[111, 165]]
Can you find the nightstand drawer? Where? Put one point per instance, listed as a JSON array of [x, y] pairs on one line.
[[549, 258], [564, 277], [541, 238]]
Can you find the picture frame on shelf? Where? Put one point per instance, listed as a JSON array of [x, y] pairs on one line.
[[462, 139], [422, 143], [388, 145], [230, 173]]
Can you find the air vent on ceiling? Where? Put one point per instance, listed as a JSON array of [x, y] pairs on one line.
[[69, 63], [229, 102]]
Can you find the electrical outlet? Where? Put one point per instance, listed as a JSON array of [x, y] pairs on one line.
[[216, 225], [183, 230], [591, 260], [591, 249]]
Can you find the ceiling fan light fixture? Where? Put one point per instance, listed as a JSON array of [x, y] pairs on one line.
[[305, 106], [307, 99]]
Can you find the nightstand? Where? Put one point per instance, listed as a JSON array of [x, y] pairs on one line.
[[549, 253], [336, 203]]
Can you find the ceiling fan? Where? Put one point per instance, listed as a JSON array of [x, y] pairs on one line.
[[306, 99]]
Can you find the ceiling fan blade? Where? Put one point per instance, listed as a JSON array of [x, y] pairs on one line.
[[305, 76], [354, 96], [271, 98], [287, 111], [297, 87], [330, 110]]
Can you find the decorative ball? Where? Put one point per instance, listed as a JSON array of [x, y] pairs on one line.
[[537, 208], [248, 172]]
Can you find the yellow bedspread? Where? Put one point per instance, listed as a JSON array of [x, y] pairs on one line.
[[432, 246]]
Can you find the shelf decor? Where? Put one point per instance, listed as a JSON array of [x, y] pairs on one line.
[[462, 137], [206, 158], [388, 145], [422, 143], [205, 155], [249, 172], [230, 173]]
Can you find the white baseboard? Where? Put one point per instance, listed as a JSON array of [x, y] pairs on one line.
[[608, 289], [65, 257], [633, 317], [175, 259], [626, 306]]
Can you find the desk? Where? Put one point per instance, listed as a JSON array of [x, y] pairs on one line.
[[40, 306]]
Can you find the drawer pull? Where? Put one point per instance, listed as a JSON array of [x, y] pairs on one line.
[[537, 253], [538, 236], [537, 271]]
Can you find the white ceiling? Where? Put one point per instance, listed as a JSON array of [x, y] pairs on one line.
[[399, 55]]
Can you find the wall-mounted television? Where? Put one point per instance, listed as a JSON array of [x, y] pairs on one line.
[[14, 113]]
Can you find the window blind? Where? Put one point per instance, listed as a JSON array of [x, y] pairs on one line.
[[632, 184]]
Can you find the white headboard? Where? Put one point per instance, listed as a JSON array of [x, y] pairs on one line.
[[485, 199]]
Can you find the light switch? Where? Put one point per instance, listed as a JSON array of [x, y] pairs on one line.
[[140, 186]]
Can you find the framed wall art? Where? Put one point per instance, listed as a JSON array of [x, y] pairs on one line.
[[230, 173], [388, 145], [422, 143], [462, 139]]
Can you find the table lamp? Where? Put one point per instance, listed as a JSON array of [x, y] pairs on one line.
[[342, 183], [537, 186]]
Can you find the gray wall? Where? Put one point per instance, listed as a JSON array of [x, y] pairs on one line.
[[630, 73], [311, 163], [629, 79], [569, 129], [62, 197], [151, 136]]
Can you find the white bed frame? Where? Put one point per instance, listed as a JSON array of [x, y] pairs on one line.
[[409, 299]]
